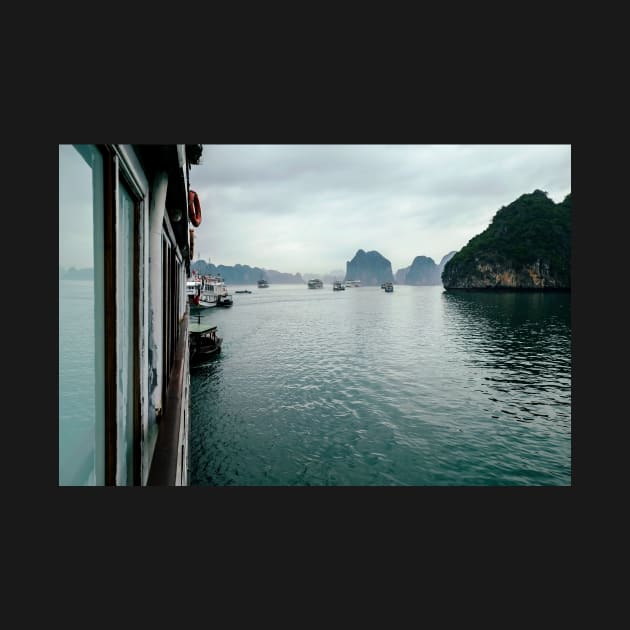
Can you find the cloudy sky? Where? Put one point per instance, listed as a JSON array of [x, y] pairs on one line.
[[309, 208]]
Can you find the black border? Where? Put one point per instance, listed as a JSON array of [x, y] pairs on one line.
[[81, 520]]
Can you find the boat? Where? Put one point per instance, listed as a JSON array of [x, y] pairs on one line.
[[204, 343], [262, 284], [352, 283], [244, 291], [128, 424], [206, 292], [338, 286], [315, 283], [389, 287]]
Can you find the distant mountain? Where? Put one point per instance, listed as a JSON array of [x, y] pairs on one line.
[[331, 276], [326, 278], [370, 268], [423, 271], [244, 274], [444, 260], [527, 246], [401, 275], [76, 274]]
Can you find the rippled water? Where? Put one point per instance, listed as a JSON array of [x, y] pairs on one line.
[[361, 387]]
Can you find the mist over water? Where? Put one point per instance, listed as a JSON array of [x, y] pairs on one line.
[[361, 387]]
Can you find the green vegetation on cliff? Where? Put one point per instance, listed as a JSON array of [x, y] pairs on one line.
[[527, 245]]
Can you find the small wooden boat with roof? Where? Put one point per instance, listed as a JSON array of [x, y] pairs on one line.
[[204, 343]]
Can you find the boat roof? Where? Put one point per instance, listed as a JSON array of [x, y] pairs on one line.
[[196, 328]]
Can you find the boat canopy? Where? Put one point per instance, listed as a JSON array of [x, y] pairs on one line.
[[199, 329]]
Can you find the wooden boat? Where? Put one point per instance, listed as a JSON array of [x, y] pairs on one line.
[[204, 342]]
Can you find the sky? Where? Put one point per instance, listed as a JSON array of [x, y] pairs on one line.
[[309, 208]]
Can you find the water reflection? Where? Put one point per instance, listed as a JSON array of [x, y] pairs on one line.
[[420, 387], [519, 344]]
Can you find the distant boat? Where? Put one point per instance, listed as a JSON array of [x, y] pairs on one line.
[[262, 284], [353, 283], [338, 286], [243, 291], [389, 287], [315, 283]]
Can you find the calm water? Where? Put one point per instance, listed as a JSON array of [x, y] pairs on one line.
[[77, 394], [361, 387]]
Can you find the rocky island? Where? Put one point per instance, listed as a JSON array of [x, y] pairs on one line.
[[526, 247], [423, 271], [371, 268]]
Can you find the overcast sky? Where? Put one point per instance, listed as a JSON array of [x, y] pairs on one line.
[[309, 208]]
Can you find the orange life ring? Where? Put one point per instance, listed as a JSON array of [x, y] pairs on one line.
[[194, 208]]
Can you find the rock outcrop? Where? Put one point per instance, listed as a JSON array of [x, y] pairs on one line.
[[443, 262], [370, 268], [423, 271], [401, 275], [527, 246]]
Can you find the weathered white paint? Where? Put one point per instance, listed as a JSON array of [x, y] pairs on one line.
[[131, 167], [143, 259], [125, 350], [157, 208], [182, 451]]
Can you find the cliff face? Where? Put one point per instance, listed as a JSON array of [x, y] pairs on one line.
[[443, 262], [370, 268], [401, 275], [527, 246], [423, 271], [495, 275]]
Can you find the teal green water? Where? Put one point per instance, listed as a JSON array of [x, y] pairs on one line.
[[364, 388]]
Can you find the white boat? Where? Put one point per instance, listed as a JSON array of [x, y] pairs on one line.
[[315, 283], [352, 283], [338, 286], [263, 284], [206, 292]]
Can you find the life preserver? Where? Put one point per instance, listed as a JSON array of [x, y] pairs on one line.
[[194, 208]]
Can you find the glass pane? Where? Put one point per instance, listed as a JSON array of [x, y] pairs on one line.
[[124, 301], [81, 340]]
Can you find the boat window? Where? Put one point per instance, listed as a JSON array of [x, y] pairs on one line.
[[81, 317]]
